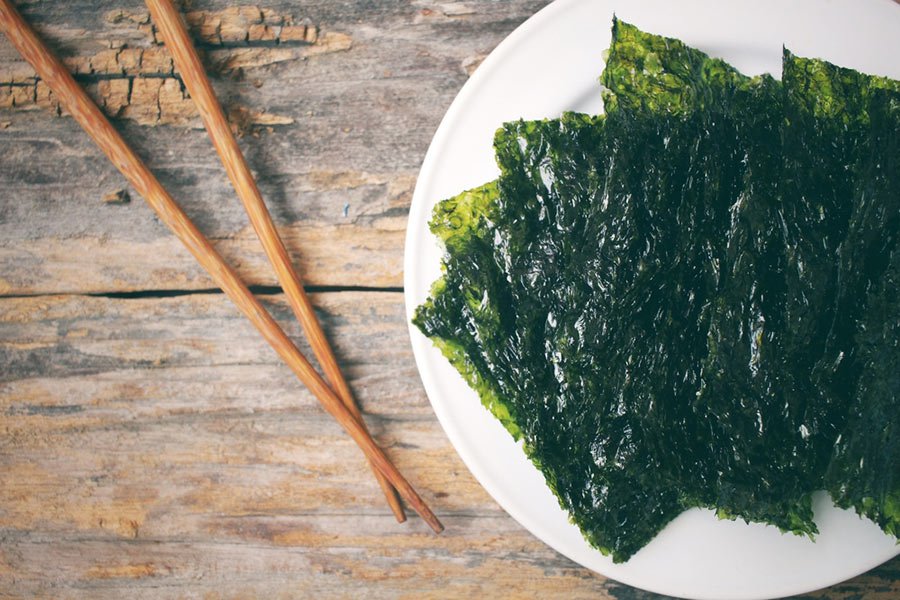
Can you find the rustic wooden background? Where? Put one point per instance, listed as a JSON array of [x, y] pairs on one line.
[[151, 445]]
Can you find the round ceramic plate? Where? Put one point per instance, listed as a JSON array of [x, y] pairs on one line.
[[551, 64]]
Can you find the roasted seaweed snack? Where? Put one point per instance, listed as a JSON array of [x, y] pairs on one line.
[[681, 303]]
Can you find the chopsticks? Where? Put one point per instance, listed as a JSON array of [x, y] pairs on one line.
[[174, 34], [76, 101]]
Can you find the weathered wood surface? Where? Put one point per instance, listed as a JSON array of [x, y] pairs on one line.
[[151, 445], [336, 125]]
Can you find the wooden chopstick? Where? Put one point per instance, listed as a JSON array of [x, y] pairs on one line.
[[175, 36], [76, 101]]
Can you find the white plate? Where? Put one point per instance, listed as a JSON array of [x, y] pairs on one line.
[[551, 64]]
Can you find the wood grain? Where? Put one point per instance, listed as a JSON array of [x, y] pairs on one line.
[[151, 444], [341, 174], [74, 99], [248, 485]]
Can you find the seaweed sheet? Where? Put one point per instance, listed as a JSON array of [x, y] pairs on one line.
[[506, 297], [606, 244], [737, 444], [860, 366]]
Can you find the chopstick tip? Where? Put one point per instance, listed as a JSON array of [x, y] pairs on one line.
[[435, 524]]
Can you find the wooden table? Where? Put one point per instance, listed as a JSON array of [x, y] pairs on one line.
[[150, 443]]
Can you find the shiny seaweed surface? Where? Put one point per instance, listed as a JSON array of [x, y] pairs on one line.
[[691, 300]]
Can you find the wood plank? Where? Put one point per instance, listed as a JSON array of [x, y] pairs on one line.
[[190, 354], [175, 478], [157, 396], [336, 130], [294, 557], [300, 556], [155, 446]]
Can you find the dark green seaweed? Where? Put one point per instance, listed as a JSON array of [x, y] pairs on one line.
[[566, 269], [737, 410], [841, 181], [864, 473], [861, 365], [691, 301], [461, 302]]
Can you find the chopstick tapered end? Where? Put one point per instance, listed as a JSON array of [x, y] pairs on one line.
[[400, 516], [434, 523]]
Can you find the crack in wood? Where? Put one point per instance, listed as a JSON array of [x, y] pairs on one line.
[[257, 290]]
